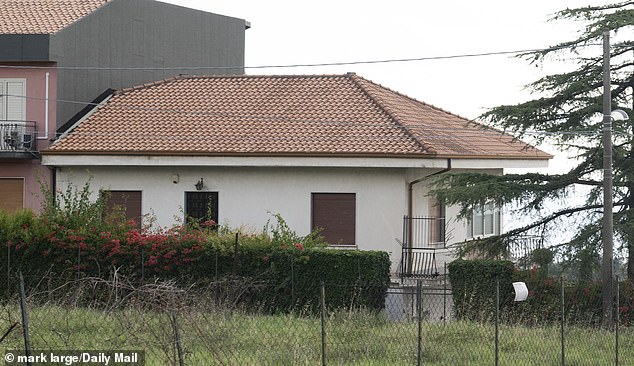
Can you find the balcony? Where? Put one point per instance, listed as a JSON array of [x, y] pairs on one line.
[[422, 237], [521, 249], [18, 139]]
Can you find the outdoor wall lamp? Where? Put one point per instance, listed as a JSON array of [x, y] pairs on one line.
[[175, 178], [199, 185]]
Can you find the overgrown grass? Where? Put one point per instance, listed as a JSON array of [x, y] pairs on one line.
[[222, 337]]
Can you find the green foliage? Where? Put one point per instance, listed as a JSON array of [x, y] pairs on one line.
[[473, 286], [75, 237], [543, 257], [564, 113], [473, 289], [353, 278], [582, 301]]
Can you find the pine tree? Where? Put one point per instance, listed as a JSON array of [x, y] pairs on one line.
[[567, 114]]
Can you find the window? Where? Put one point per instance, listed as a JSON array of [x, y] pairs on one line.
[[485, 221], [335, 214], [129, 202], [436, 220], [12, 101], [11, 194], [201, 206]]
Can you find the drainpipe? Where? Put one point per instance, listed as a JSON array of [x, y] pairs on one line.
[[46, 86], [410, 201]]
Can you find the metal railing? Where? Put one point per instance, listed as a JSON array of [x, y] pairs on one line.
[[421, 237], [522, 247], [418, 263], [424, 232], [18, 136]]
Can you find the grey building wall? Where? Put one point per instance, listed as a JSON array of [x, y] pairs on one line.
[[141, 34]]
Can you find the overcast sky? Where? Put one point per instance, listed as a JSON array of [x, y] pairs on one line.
[[287, 32]]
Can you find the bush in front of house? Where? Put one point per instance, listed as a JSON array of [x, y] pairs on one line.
[[473, 286], [276, 268]]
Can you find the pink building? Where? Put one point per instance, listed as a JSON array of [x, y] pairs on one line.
[[27, 125], [58, 56]]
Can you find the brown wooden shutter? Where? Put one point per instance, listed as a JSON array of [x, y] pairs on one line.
[[130, 201], [335, 213], [11, 194]]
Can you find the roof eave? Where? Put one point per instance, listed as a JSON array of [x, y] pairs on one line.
[[237, 154]]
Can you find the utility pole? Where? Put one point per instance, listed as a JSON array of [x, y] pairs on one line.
[[608, 224]]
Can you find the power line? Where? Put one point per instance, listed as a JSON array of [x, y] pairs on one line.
[[321, 64]]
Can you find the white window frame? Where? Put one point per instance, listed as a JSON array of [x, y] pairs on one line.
[[485, 221], [20, 100]]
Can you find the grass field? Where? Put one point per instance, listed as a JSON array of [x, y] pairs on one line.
[[352, 338]]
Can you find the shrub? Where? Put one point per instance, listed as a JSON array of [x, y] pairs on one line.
[[473, 284]]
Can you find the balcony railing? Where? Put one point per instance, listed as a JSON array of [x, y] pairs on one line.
[[521, 249], [423, 232], [422, 236], [18, 137]]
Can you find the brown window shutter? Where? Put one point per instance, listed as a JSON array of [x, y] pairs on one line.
[[335, 214], [129, 201], [11, 194]]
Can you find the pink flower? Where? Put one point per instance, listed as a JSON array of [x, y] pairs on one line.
[[299, 246], [208, 223]]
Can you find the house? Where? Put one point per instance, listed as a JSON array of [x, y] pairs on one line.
[[336, 152], [57, 56]]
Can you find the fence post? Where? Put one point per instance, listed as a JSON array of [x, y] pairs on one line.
[[25, 320], [323, 323], [563, 318], [292, 280], [419, 315], [216, 283], [444, 295], [497, 320], [78, 260], [235, 256], [8, 266], [177, 338], [618, 288]]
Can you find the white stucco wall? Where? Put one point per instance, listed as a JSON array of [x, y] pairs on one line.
[[247, 195]]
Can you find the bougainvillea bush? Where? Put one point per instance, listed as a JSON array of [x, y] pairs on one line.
[[75, 237]]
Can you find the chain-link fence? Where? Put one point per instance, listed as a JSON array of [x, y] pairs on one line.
[[216, 324]]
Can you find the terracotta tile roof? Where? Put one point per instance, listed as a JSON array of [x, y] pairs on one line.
[[281, 115], [43, 16]]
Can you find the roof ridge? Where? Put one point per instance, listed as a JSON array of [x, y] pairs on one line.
[[426, 147], [148, 85], [468, 120], [103, 3], [224, 76]]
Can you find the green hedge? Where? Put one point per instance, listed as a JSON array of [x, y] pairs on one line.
[[473, 285], [275, 269]]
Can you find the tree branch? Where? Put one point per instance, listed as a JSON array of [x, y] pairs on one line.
[[552, 217]]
